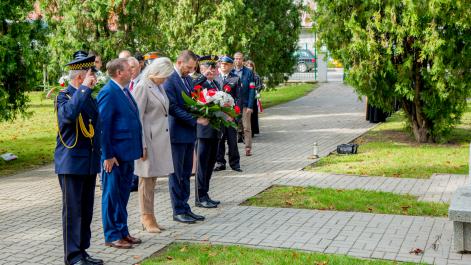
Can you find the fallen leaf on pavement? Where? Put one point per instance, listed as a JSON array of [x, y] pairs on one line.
[[416, 251]]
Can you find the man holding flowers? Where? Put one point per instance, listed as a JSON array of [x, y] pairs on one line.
[[208, 137], [182, 136], [231, 84]]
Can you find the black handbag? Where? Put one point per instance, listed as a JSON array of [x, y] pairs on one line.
[[347, 149]]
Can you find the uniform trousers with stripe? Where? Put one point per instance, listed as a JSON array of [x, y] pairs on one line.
[[78, 194]]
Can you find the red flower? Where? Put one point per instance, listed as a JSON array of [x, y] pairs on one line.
[[252, 85], [198, 87], [211, 92], [227, 88], [62, 84], [237, 109], [194, 94], [201, 98]]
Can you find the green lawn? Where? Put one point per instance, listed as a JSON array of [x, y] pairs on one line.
[[346, 200], [32, 139], [388, 150], [283, 94], [190, 254]]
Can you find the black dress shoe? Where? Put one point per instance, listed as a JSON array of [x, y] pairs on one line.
[[184, 218], [196, 216], [213, 201], [80, 262], [220, 168], [237, 169], [205, 204], [93, 261]]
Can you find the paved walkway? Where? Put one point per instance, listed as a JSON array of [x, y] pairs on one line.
[[439, 188], [30, 203]]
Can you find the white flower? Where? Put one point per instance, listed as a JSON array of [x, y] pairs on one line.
[[64, 79]]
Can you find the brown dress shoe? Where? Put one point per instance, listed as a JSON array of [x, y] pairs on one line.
[[121, 243], [132, 240]]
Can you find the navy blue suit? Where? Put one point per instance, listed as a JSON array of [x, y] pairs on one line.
[[77, 167], [182, 137], [206, 151], [121, 137], [247, 94], [229, 133]]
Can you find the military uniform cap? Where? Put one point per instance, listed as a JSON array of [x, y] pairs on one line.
[[82, 61], [208, 60], [226, 59], [150, 57]]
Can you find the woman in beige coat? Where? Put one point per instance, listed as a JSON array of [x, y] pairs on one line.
[[157, 158]]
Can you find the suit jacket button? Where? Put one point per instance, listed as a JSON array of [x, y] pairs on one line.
[[166, 115], [166, 130]]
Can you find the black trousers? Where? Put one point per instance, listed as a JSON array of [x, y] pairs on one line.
[[229, 134], [179, 181], [254, 119], [78, 194], [206, 152]]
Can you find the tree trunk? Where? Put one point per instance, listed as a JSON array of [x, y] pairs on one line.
[[419, 125], [421, 132]]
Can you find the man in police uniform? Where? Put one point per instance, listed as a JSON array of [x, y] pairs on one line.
[[77, 158], [207, 138], [227, 79]]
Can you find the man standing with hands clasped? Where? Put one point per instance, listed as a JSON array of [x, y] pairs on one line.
[[121, 144], [182, 137], [77, 158], [247, 97], [228, 80]]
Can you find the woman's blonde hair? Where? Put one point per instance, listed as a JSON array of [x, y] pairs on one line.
[[160, 68], [251, 63]]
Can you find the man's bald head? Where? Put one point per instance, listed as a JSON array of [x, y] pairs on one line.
[[124, 54]]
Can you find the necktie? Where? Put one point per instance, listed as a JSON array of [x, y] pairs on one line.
[[131, 86], [128, 96], [186, 85], [214, 85]]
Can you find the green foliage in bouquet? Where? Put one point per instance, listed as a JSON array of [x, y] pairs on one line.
[[216, 114]]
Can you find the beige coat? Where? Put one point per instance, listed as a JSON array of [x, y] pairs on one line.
[[153, 106]]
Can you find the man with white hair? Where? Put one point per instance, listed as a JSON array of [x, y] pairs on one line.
[[77, 158], [135, 72]]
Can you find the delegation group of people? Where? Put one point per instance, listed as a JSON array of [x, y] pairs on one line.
[[139, 126]]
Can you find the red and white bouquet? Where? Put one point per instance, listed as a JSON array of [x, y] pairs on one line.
[[217, 106]]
